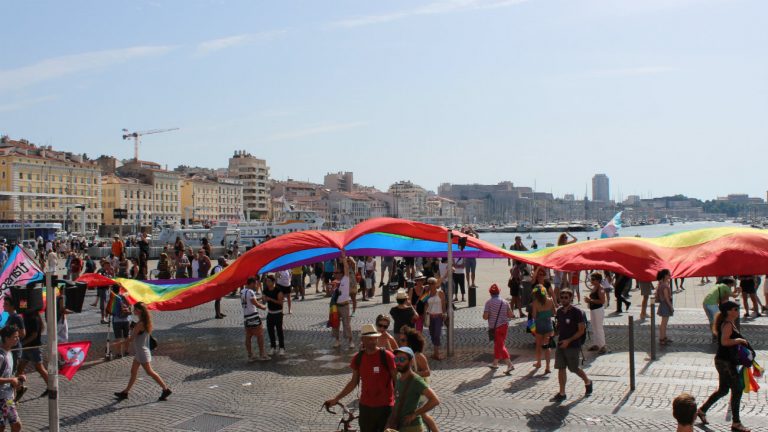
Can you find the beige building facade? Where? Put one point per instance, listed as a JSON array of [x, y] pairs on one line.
[[254, 173], [27, 168]]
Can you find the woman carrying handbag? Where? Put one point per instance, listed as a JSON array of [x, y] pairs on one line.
[[497, 312], [726, 362]]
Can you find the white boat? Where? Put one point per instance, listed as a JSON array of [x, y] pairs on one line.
[[218, 235], [294, 221]]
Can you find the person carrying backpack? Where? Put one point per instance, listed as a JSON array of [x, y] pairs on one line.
[[121, 316], [374, 369], [571, 334]]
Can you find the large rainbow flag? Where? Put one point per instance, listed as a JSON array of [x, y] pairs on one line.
[[707, 252]]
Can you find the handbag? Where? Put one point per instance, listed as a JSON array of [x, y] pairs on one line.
[[492, 331], [152, 343]]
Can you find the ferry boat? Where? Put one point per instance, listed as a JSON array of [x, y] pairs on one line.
[[217, 235], [294, 220]]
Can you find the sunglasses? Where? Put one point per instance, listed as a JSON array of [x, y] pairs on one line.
[[565, 296], [401, 359], [380, 325]]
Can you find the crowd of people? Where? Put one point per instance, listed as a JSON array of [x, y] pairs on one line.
[[392, 366]]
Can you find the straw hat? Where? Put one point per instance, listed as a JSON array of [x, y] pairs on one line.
[[369, 330], [401, 295]]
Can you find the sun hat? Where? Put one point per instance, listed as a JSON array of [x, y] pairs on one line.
[[419, 275], [401, 295], [369, 330], [405, 350]]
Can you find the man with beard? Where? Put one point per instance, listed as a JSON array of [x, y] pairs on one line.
[[409, 390]]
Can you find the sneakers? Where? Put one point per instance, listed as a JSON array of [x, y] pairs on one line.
[[264, 357], [588, 389], [351, 345], [121, 395], [281, 352], [336, 344], [164, 395], [273, 351]]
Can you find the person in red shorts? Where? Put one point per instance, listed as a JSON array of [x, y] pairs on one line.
[[374, 369]]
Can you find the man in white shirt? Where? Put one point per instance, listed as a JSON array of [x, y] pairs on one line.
[[458, 277], [342, 303], [52, 261]]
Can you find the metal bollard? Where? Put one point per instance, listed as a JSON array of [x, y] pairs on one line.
[[472, 297], [631, 353], [385, 294], [653, 330]]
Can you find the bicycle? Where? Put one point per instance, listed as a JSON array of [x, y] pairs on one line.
[[347, 417]]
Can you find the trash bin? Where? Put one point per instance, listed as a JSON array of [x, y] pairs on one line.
[[472, 296]]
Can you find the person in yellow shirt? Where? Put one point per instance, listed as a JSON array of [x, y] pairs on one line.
[[297, 282]]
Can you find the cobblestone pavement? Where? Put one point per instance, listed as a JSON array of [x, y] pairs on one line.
[[204, 362]]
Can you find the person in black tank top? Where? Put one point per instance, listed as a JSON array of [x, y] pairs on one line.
[[728, 339]]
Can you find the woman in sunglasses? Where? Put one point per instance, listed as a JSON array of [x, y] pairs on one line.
[[385, 340]]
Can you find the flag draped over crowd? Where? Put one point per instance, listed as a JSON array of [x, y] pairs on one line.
[[706, 252]]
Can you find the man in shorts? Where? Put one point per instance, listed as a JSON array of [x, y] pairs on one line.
[[284, 285], [121, 316], [8, 383], [252, 320], [32, 352], [297, 282], [570, 328]]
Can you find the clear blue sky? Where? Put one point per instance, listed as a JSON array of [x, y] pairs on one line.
[[664, 96]]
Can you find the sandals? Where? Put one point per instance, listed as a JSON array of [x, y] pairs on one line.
[[738, 427], [703, 417]]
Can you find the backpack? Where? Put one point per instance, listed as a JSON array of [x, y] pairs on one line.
[[125, 307], [587, 327], [382, 358]]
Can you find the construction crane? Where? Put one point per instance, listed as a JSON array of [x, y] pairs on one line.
[[137, 137]]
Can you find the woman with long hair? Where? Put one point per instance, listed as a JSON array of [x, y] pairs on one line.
[[542, 311], [386, 340], [664, 298], [596, 301], [728, 340], [437, 308], [139, 340]]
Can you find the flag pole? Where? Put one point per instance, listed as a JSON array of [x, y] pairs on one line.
[[449, 294], [53, 362]]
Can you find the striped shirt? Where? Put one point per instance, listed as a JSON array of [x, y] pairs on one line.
[[497, 312]]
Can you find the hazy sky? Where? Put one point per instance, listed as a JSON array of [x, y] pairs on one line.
[[664, 96]]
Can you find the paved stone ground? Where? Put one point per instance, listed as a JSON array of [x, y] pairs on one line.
[[204, 362]]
